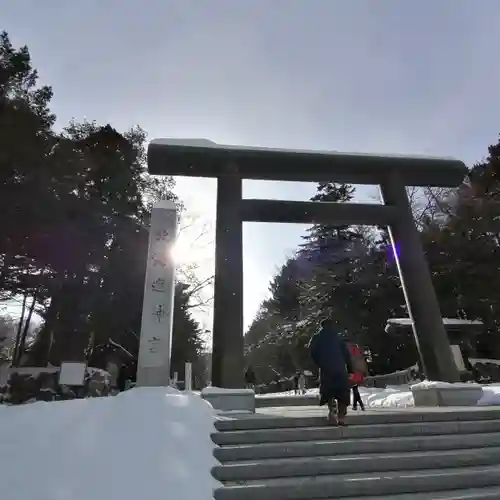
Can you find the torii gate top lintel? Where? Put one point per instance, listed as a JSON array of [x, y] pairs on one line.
[[204, 158]]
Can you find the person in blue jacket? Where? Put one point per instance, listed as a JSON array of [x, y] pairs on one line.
[[331, 355]]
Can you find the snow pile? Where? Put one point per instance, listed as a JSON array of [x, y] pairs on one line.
[[401, 396], [143, 443], [428, 384], [491, 395], [309, 392], [390, 397]]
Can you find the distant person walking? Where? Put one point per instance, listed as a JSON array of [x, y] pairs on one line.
[[250, 378], [301, 383], [331, 355]]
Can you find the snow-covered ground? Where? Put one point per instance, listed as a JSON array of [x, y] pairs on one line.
[[399, 396], [143, 443]]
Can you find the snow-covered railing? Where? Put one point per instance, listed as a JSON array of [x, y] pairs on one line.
[[484, 361], [401, 377]]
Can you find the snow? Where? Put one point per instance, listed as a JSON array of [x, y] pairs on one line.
[[207, 143], [484, 361], [446, 321], [91, 371], [194, 143], [390, 397], [222, 391], [491, 395], [427, 384], [401, 396], [119, 346], [143, 443], [310, 392]]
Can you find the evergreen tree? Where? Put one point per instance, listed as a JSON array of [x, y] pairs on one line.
[[187, 344], [331, 252], [75, 214], [464, 253]]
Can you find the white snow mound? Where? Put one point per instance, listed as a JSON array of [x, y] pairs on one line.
[[143, 443], [400, 396]]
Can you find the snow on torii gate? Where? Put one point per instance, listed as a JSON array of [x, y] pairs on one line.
[[231, 164]]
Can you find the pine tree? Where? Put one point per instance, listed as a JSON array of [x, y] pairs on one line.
[[331, 251], [464, 254], [187, 343], [285, 291]]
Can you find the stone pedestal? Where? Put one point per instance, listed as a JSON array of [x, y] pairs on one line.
[[230, 400], [443, 394]]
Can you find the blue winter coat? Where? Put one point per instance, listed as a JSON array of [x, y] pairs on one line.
[[331, 354]]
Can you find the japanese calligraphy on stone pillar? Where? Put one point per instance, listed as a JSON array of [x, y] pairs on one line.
[[159, 289]]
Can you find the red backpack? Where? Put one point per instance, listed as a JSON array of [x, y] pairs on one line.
[[357, 378], [358, 364]]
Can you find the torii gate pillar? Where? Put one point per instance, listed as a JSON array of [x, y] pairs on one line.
[[421, 300]]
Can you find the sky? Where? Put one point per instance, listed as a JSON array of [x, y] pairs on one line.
[[382, 76]]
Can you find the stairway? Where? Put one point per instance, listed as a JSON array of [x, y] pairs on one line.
[[434, 454]]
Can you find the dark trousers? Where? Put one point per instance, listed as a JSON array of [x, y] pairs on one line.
[[338, 408], [356, 397]]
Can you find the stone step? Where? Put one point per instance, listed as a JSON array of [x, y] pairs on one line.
[[487, 493], [362, 485], [355, 446], [326, 433], [351, 464], [282, 401], [266, 421]]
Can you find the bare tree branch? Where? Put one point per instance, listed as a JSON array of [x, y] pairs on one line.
[[430, 205]]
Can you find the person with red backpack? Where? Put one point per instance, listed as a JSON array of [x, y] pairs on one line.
[[357, 378]]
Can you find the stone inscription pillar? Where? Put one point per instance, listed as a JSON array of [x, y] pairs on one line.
[[153, 365], [227, 350], [423, 307]]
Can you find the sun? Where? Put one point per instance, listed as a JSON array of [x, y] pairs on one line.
[[189, 250], [180, 251]]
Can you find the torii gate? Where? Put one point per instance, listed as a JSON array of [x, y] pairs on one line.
[[231, 164]]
